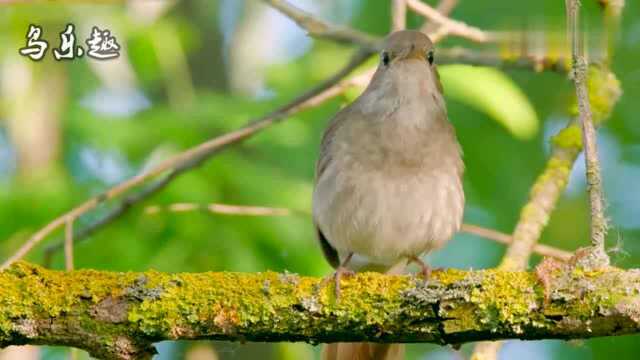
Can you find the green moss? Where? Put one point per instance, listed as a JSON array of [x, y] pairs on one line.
[[569, 138], [277, 307], [506, 298]]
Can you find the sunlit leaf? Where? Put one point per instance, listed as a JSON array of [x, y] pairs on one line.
[[494, 93]]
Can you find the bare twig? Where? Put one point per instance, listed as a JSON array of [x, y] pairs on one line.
[[226, 209], [594, 180], [68, 245], [244, 210], [322, 29], [121, 208], [398, 15], [445, 7], [507, 239], [504, 59], [543, 198], [447, 25]]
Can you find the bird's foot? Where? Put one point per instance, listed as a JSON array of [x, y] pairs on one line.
[[340, 272], [337, 275], [425, 270]]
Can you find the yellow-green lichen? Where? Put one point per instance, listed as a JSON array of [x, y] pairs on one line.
[[506, 299], [604, 91], [569, 137], [151, 306]]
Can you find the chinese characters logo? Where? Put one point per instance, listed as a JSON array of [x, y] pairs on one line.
[[102, 45]]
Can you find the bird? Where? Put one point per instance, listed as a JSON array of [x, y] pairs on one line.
[[388, 180]]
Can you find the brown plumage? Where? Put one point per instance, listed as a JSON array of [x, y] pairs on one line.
[[389, 177]]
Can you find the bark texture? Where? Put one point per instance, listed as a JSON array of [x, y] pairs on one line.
[[119, 315]]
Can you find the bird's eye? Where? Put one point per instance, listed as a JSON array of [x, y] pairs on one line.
[[385, 58], [430, 57]]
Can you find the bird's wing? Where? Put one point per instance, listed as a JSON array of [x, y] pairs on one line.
[[329, 252], [328, 138], [324, 160]]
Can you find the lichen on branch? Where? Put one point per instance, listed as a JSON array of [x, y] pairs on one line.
[[119, 315]]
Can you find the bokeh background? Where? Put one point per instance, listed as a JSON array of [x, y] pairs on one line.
[[191, 70]]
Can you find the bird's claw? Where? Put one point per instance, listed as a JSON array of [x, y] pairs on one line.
[[336, 276], [425, 270]]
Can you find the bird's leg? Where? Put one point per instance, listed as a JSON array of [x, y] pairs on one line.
[[337, 275], [425, 269]]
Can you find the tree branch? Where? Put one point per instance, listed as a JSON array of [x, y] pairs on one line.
[[506, 239], [445, 7], [505, 59], [398, 15], [320, 29], [118, 315], [543, 198], [549, 186], [447, 25], [191, 158], [594, 179]]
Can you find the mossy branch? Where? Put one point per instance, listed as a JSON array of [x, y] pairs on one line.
[[119, 315]]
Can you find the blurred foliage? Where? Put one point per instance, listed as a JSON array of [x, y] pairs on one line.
[[497, 115]]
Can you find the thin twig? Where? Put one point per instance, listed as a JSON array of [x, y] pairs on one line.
[[447, 25], [503, 59], [244, 210], [594, 180], [398, 15], [114, 213], [507, 239], [226, 209], [445, 7], [68, 245], [318, 28]]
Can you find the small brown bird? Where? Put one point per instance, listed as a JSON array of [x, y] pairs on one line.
[[388, 183]]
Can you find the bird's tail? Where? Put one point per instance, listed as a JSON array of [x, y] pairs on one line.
[[363, 351], [366, 351]]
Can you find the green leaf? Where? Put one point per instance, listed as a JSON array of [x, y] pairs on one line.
[[494, 93]]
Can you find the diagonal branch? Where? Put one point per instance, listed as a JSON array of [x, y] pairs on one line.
[[449, 26], [445, 7], [320, 29], [506, 239], [119, 315], [193, 157]]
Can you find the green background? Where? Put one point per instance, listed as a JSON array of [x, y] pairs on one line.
[[187, 93]]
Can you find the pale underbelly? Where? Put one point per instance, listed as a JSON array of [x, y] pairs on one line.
[[386, 219]]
